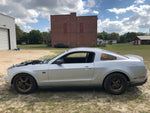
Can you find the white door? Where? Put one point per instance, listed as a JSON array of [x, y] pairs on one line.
[[4, 39], [71, 74], [139, 42]]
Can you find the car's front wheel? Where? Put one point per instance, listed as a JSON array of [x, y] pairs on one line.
[[115, 83], [24, 84]]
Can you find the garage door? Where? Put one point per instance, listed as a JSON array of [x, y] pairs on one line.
[[4, 39]]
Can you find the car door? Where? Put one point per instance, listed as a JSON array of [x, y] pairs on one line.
[[77, 69]]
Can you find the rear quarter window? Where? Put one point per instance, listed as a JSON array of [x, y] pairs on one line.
[[107, 57]]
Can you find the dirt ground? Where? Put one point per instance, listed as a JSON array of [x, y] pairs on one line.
[[9, 58]]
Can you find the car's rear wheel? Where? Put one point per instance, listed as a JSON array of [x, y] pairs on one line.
[[115, 83], [24, 84]]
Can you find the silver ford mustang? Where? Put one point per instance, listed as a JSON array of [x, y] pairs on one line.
[[79, 67]]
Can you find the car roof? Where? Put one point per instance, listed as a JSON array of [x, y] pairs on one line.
[[90, 49], [85, 49]]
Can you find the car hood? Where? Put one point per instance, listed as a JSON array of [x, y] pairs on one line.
[[31, 62]]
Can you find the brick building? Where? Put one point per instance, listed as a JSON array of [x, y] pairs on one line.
[[73, 30]]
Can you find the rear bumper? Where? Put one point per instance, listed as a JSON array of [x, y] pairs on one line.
[[138, 84]]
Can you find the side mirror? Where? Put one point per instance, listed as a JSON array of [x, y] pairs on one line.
[[59, 61]]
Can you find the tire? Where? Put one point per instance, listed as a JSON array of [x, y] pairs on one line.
[[24, 84], [115, 83]]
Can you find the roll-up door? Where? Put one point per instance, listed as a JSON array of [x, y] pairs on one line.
[[4, 43]]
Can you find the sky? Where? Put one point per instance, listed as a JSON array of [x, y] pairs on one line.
[[119, 16]]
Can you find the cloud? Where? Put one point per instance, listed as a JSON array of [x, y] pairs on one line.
[[95, 12], [110, 26], [139, 20], [63, 7], [129, 8], [46, 29], [27, 28], [33, 13], [143, 10], [3, 2], [28, 11], [116, 26], [117, 17], [139, 2], [122, 10], [91, 3]]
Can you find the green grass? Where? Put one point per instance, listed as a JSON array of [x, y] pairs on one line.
[[119, 48], [33, 46], [38, 46]]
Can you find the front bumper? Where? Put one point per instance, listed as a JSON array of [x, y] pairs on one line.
[[139, 83], [7, 80]]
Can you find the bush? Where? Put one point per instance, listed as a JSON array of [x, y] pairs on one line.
[[60, 45], [103, 45], [110, 42]]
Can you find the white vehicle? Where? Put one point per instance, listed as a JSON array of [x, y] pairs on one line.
[[79, 67]]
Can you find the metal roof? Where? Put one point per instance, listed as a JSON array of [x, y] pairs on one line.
[[144, 37], [6, 15]]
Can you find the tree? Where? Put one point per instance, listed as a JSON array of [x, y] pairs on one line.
[[100, 36], [123, 39], [106, 35], [114, 36], [141, 34], [130, 36], [35, 37], [19, 34], [24, 38], [47, 38]]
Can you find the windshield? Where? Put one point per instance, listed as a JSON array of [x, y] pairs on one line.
[[45, 61], [58, 55]]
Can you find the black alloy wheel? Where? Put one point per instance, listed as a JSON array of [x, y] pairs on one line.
[[24, 84], [115, 83]]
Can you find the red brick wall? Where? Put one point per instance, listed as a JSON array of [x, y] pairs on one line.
[[74, 30]]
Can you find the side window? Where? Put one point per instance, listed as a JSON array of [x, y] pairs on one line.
[[78, 57], [107, 57]]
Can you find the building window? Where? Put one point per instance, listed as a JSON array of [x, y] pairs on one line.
[[81, 27], [65, 27]]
